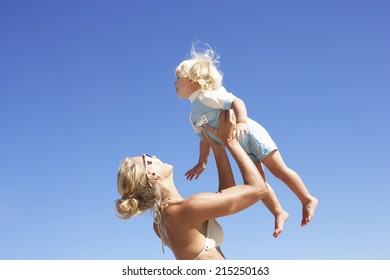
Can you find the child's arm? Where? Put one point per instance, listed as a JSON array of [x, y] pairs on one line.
[[239, 108], [204, 153]]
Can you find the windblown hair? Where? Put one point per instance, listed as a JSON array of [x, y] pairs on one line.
[[201, 68], [137, 194]]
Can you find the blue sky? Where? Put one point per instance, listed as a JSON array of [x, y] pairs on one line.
[[86, 83]]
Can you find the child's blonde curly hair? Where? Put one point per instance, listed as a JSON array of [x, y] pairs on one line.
[[201, 68]]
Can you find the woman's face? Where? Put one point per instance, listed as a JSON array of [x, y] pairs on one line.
[[153, 164], [184, 87]]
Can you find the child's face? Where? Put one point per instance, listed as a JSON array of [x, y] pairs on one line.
[[185, 87]]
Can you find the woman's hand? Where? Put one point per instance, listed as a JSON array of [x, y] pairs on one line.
[[223, 132]]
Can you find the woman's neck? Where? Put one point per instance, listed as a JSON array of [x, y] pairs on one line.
[[169, 192]]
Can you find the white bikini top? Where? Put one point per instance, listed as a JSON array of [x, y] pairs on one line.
[[214, 237]]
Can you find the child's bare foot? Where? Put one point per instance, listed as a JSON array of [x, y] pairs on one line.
[[279, 223], [308, 210]]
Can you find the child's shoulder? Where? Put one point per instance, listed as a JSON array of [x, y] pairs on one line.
[[221, 91], [216, 98]]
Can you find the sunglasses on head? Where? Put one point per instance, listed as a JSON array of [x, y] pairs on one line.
[[148, 159]]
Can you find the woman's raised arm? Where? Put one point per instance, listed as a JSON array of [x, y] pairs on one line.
[[229, 200], [225, 173], [249, 172]]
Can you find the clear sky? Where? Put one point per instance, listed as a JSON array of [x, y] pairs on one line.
[[84, 84]]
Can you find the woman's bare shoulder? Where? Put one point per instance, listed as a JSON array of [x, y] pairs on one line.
[[196, 207], [187, 209]]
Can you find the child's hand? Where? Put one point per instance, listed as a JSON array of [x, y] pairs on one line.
[[223, 132], [195, 171], [239, 131]]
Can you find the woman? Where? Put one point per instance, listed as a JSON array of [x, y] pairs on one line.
[[187, 226]]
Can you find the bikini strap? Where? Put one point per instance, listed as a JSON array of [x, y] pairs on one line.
[[200, 254]]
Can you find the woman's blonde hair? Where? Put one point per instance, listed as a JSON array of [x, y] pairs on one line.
[[201, 68], [137, 194]]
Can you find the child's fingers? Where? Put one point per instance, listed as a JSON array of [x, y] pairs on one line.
[[189, 174]]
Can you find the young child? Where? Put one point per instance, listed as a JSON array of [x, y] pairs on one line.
[[199, 80]]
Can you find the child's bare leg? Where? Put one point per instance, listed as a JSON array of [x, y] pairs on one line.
[[278, 168], [273, 205]]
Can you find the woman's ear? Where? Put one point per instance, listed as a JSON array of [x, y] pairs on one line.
[[152, 176]]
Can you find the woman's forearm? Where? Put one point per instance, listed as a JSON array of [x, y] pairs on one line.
[[249, 172], [225, 173]]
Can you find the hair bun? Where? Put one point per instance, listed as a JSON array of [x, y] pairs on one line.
[[127, 207]]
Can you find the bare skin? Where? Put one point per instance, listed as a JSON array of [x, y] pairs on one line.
[[279, 169], [272, 203], [183, 220], [274, 162]]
